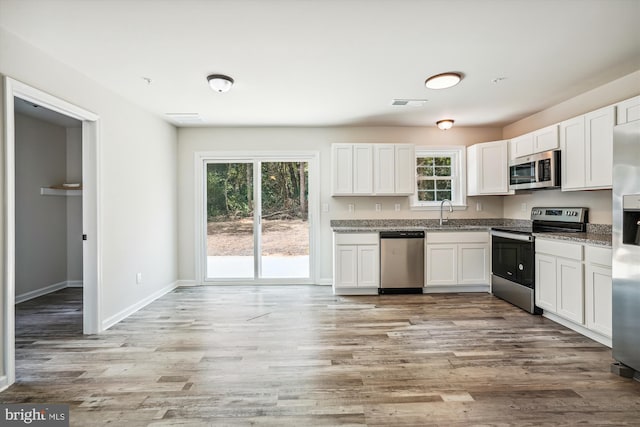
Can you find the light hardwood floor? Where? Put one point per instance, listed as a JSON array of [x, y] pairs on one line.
[[300, 356]]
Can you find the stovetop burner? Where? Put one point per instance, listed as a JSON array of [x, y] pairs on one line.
[[552, 220]]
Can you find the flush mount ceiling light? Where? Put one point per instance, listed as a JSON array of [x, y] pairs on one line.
[[220, 82], [443, 81], [445, 124]]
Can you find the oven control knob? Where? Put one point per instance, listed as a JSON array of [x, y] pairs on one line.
[[520, 267]]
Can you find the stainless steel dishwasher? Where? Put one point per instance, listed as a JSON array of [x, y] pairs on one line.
[[401, 262]]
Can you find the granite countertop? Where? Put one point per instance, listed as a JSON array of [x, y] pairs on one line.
[[596, 239], [373, 225], [597, 234]]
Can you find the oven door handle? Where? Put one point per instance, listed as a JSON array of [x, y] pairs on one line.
[[521, 237]]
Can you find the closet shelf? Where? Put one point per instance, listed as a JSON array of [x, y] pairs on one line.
[[60, 191]]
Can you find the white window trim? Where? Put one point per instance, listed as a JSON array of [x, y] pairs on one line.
[[460, 152]]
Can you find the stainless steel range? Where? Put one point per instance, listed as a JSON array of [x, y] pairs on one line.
[[513, 253]]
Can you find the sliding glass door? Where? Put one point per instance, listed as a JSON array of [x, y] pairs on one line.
[[257, 224], [230, 220], [284, 237]]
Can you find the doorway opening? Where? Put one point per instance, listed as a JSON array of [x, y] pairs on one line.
[[33, 267]]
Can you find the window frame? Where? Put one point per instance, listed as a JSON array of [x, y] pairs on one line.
[[458, 181]]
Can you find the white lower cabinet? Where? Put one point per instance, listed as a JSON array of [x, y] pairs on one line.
[[573, 282], [546, 282], [570, 290], [457, 259], [356, 260], [442, 264], [598, 289], [559, 281]]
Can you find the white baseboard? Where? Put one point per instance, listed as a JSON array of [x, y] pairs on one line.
[[325, 282], [181, 283], [4, 383], [40, 292], [355, 291], [123, 314], [454, 289], [75, 284], [579, 329]]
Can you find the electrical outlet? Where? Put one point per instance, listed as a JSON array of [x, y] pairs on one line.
[[325, 207], [478, 206], [397, 207], [378, 207], [351, 207], [523, 207], [139, 278]]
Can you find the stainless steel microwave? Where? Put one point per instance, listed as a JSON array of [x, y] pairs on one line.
[[541, 170]]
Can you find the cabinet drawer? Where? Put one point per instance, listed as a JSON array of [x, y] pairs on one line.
[[357, 238], [559, 249], [597, 255], [458, 237]]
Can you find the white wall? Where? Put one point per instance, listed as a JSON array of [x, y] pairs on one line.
[[598, 202], [248, 140], [41, 221], [137, 177]]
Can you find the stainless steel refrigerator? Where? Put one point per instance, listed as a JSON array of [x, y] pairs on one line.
[[626, 245]]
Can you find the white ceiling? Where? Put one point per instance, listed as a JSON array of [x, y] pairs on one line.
[[338, 62]]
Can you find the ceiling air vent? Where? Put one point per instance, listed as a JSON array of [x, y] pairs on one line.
[[408, 102], [185, 118]]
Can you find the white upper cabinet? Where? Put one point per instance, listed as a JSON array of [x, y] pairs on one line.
[[628, 111], [342, 168], [573, 158], [351, 169], [405, 169], [544, 139], [521, 146], [488, 169], [373, 169], [599, 147], [587, 149], [362, 169], [384, 165]]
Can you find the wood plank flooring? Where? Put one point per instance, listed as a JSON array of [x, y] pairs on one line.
[[300, 356]]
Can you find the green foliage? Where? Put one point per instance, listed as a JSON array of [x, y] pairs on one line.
[[230, 189]]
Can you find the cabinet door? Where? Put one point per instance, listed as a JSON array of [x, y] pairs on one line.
[[368, 266], [473, 264], [493, 170], [598, 294], [572, 143], [546, 289], [405, 169], [384, 177], [570, 283], [442, 264], [628, 111], [545, 139], [362, 169], [346, 266], [599, 148], [342, 168], [522, 146]]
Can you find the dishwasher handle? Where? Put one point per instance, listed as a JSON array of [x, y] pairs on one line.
[[402, 234]]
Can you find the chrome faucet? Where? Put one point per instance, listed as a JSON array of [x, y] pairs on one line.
[[442, 221]]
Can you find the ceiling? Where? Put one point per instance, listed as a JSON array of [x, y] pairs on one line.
[[338, 62]]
